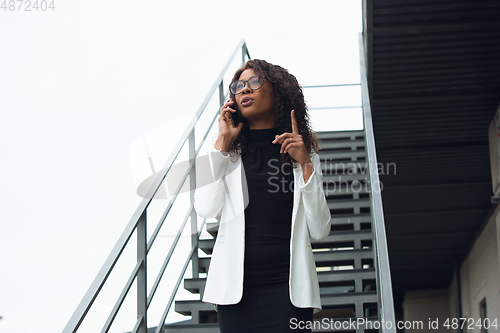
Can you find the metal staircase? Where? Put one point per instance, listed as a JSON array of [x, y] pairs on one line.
[[352, 262], [345, 259]]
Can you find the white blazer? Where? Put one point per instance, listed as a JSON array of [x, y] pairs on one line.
[[226, 196]]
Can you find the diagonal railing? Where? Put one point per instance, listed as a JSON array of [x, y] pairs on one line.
[[383, 272], [137, 223]]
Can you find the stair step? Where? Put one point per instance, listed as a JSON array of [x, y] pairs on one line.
[[336, 237], [212, 228], [344, 167], [345, 275], [347, 255], [331, 156], [187, 307], [337, 219], [194, 285], [332, 191], [207, 245], [348, 203], [344, 178], [351, 218], [332, 144], [349, 298], [344, 136], [191, 328], [203, 264]]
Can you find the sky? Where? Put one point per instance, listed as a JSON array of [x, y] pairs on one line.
[[91, 91]]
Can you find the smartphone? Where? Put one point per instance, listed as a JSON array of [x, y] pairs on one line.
[[235, 116]]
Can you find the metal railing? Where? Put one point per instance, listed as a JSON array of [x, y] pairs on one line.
[[138, 224], [383, 272], [138, 220]]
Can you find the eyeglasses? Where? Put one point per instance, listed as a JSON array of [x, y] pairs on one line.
[[254, 83]]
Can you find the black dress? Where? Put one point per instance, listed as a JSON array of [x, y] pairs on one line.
[[265, 305]]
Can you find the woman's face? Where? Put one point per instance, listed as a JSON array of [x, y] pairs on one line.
[[256, 106]]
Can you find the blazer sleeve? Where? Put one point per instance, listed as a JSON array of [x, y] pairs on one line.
[[318, 216], [209, 196]]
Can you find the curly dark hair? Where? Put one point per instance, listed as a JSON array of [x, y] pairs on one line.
[[288, 96]]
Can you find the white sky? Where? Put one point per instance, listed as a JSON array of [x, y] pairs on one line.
[[89, 90]]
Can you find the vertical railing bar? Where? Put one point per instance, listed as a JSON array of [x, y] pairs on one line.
[[386, 306], [169, 255], [221, 93], [177, 284], [120, 300], [138, 324], [142, 288], [194, 215], [244, 50]]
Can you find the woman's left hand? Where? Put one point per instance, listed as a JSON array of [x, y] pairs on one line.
[[293, 144]]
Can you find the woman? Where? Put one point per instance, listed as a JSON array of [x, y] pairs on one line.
[[262, 275]]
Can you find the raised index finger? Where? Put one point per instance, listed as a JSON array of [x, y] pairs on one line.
[[295, 128]]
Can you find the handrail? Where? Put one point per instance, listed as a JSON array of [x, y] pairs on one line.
[[138, 223], [384, 286]]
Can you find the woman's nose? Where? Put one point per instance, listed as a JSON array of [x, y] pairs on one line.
[[246, 89]]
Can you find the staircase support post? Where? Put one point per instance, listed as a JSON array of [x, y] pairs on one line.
[[194, 215], [142, 292]]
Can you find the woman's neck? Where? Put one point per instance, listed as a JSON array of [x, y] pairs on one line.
[[263, 124]]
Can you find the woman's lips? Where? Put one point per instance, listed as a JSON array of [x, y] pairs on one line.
[[247, 102]]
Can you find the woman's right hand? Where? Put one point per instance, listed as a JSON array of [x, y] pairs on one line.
[[226, 127]]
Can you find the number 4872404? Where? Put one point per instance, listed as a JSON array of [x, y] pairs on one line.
[[27, 5], [470, 323]]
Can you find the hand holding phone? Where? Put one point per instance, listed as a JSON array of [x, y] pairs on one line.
[[230, 123], [235, 116]]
